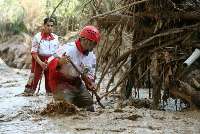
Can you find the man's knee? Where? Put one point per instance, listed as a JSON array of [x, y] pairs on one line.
[[84, 99], [63, 95]]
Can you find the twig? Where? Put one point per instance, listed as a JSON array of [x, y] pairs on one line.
[[85, 4], [106, 69], [174, 5], [40, 82], [127, 73], [124, 76], [124, 7], [94, 92], [144, 44], [56, 8], [113, 75]]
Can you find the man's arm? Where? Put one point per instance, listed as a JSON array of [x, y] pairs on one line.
[[38, 60], [35, 49], [88, 75]]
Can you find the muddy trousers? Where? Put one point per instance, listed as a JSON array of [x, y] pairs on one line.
[[79, 97], [36, 75]]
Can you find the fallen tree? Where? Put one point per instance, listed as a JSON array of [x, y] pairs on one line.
[[145, 43]]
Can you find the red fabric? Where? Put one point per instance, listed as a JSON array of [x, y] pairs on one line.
[[53, 74], [46, 36], [57, 78], [78, 45], [37, 70], [34, 53]]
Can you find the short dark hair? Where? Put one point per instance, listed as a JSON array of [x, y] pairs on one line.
[[50, 19]]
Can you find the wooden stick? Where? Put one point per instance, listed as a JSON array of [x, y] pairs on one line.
[[94, 92], [127, 73], [56, 8], [39, 83], [124, 7]]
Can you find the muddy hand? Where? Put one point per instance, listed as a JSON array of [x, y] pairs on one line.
[[92, 86], [43, 65], [64, 59]]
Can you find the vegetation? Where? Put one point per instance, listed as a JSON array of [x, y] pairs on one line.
[[11, 21], [27, 15]]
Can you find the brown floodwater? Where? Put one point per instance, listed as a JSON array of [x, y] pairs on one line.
[[21, 115]]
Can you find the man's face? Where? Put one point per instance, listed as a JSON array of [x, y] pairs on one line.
[[88, 45], [48, 27]]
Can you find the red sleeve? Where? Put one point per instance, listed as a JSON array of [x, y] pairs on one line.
[[53, 74], [34, 53]]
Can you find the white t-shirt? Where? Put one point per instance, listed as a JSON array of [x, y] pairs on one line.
[[44, 47], [80, 60]]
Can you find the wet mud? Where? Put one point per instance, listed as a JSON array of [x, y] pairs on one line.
[[22, 115]]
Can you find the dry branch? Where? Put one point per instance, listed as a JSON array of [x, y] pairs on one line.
[[124, 7], [154, 26]]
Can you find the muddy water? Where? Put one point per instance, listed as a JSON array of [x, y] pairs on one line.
[[20, 115]]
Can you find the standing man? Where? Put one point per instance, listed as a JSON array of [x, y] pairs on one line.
[[66, 83], [44, 45]]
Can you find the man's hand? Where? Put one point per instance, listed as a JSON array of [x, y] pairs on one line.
[[64, 60], [38, 60], [88, 83], [92, 86], [43, 65]]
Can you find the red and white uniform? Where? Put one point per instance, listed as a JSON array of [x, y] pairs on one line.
[[82, 61], [44, 45]]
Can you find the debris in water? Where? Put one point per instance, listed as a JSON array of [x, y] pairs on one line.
[[81, 129], [154, 128], [118, 130], [118, 110], [155, 116], [134, 117], [60, 107], [2, 115], [139, 103]]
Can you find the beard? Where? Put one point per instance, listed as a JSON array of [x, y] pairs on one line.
[[86, 52]]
